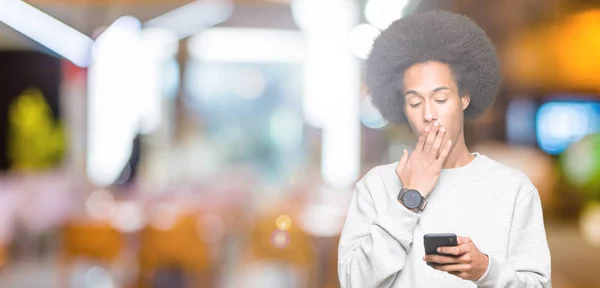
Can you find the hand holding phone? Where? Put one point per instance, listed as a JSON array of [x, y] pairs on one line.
[[434, 240], [461, 256]]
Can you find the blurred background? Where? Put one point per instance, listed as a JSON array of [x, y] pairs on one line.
[[216, 143]]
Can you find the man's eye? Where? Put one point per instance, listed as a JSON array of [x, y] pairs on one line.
[[415, 105], [441, 101]]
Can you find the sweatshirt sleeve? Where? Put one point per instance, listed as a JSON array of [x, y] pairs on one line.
[[373, 247], [528, 261]]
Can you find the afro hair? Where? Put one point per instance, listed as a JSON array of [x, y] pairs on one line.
[[440, 36]]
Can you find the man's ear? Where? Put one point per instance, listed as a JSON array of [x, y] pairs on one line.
[[466, 99]]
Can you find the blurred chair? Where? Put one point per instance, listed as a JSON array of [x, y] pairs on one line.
[[290, 247], [178, 247], [95, 241]]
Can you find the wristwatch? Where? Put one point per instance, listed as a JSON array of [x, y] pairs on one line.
[[412, 199]]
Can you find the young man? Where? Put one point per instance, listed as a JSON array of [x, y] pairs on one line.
[[433, 70]]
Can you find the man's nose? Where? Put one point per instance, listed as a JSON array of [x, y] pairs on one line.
[[430, 114]]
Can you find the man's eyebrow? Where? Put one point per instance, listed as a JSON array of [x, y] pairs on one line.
[[433, 91], [411, 92], [441, 88]]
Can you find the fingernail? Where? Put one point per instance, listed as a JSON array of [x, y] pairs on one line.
[[439, 250], [443, 129], [427, 129], [423, 257], [436, 123]]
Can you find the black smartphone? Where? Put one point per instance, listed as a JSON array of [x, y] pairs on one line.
[[434, 240]]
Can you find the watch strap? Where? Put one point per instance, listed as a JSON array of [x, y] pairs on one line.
[[423, 203]]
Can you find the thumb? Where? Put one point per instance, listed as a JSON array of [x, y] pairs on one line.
[[403, 159]]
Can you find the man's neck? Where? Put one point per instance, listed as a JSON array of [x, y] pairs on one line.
[[459, 155]]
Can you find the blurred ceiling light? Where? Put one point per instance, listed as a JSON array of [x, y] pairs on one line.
[[114, 107], [306, 13], [249, 45], [125, 91], [326, 25], [46, 30], [340, 160], [158, 43], [361, 38], [381, 13], [298, 14], [194, 17], [155, 47], [332, 86], [123, 27]]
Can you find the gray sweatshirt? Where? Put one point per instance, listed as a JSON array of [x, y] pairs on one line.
[[496, 206]]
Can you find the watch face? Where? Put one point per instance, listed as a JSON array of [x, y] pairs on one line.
[[412, 199]]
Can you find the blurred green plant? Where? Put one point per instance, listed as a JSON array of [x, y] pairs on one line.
[[580, 164], [35, 140]]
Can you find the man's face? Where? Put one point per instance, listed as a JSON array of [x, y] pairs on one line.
[[431, 94]]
